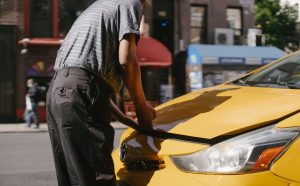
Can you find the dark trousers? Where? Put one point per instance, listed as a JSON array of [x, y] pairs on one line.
[[78, 117]]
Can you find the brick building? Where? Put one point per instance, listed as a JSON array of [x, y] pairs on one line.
[[195, 21], [34, 29], [11, 26], [179, 23]]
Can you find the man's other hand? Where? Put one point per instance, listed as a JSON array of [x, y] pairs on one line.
[[145, 115]]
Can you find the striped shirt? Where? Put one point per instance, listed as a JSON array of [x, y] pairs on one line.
[[93, 41]]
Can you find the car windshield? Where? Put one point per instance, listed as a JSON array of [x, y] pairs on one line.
[[284, 74]]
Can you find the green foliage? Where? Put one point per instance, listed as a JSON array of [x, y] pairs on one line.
[[277, 22]]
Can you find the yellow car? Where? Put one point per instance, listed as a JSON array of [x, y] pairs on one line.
[[241, 133]]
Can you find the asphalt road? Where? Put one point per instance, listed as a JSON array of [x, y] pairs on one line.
[[26, 159]]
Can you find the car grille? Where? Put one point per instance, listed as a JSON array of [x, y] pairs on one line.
[[145, 165]]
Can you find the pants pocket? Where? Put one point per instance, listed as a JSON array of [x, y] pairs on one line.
[[63, 94], [70, 107]]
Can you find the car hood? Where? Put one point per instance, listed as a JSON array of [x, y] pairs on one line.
[[225, 110], [215, 112]]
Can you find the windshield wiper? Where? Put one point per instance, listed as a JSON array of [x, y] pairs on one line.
[[241, 82], [266, 82], [283, 84], [293, 85]]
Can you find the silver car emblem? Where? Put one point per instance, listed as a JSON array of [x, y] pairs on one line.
[[123, 151]]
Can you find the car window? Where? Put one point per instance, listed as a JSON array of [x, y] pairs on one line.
[[285, 73]]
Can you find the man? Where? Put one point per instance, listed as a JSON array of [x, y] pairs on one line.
[[32, 97], [96, 56]]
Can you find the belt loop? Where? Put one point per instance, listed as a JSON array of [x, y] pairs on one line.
[[54, 76], [92, 78], [67, 72]]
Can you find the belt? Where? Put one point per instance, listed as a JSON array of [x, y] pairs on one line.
[[74, 71], [78, 71]]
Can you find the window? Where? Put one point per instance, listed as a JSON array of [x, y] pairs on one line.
[[69, 11], [234, 20], [51, 18], [297, 10], [197, 24], [41, 18], [285, 73]]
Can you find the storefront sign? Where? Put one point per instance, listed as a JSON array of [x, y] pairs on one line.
[[253, 61], [194, 60], [210, 60], [231, 60], [267, 60]]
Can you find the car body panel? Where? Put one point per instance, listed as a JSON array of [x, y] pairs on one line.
[[240, 109], [293, 121], [173, 176], [288, 165], [138, 144], [226, 109]]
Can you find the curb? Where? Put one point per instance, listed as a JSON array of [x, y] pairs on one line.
[[20, 128]]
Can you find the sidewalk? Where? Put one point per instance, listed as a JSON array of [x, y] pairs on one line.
[[20, 127]]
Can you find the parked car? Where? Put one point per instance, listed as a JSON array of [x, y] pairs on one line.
[[240, 133]]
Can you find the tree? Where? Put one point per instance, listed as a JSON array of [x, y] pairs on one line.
[[276, 21]]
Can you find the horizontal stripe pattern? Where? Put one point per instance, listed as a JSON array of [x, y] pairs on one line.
[[93, 41]]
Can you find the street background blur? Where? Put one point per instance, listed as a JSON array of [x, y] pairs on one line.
[[186, 45]]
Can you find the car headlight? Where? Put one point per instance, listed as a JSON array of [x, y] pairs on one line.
[[250, 152]]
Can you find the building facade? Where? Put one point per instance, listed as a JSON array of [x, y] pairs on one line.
[[40, 26], [179, 23], [11, 26], [196, 21]]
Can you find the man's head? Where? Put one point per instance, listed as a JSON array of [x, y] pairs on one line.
[[30, 82]]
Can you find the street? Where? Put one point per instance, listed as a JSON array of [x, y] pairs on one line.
[[26, 159]]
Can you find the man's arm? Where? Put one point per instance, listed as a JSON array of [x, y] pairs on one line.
[[121, 117], [132, 79]]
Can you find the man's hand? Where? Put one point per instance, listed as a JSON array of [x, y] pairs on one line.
[[145, 116]]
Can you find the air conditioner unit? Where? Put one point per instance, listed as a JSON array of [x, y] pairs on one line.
[[224, 36], [255, 37]]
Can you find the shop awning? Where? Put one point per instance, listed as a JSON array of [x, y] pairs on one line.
[[232, 54], [41, 41], [151, 52]]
